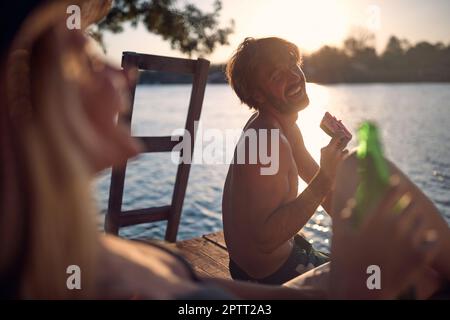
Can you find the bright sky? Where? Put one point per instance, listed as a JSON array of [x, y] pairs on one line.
[[308, 23]]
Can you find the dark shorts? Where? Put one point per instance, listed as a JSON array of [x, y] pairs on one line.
[[302, 258]]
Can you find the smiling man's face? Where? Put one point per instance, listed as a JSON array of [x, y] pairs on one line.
[[283, 86]]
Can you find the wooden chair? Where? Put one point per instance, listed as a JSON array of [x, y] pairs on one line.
[[115, 217]]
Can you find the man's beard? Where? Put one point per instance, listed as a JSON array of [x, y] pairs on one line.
[[287, 107]]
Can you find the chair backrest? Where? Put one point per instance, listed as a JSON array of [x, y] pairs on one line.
[[115, 217]]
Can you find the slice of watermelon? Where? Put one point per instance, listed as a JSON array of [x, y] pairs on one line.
[[331, 126]]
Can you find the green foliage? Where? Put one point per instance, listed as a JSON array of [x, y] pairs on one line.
[[187, 28], [358, 61]]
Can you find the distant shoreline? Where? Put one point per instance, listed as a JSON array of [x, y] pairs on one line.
[[356, 62], [216, 75], [321, 83]]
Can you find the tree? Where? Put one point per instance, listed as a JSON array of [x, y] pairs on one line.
[[394, 48], [327, 65], [359, 41], [187, 28]]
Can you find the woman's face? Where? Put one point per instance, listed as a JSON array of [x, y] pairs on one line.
[[104, 94]]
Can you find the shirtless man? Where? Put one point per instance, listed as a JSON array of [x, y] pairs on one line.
[[262, 214]]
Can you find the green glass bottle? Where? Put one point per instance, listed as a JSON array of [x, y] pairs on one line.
[[373, 171]]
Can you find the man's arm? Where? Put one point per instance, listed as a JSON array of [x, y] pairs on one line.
[[263, 200], [306, 165]]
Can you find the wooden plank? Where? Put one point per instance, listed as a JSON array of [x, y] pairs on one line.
[[160, 63], [222, 260], [195, 108], [216, 253], [138, 216], [206, 257], [191, 257], [201, 254], [112, 218], [159, 144], [217, 238], [201, 272], [199, 249]]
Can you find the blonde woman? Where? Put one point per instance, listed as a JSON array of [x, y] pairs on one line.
[[57, 129]]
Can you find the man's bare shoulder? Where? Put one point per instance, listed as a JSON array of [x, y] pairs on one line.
[[275, 144], [257, 121], [263, 125]]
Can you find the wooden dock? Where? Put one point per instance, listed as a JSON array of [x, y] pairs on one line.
[[207, 254]]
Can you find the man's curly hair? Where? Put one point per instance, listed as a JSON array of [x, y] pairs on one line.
[[242, 69]]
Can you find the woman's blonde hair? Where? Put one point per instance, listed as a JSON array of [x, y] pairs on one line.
[[47, 214]]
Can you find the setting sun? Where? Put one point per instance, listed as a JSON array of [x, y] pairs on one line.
[[310, 24]]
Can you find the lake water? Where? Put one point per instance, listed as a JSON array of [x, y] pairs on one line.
[[414, 121]]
